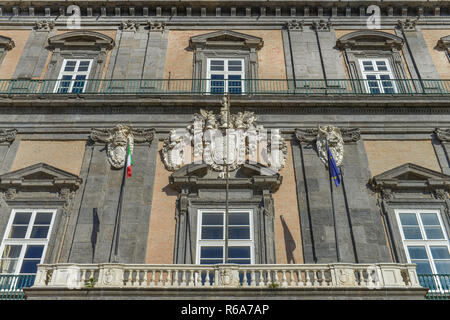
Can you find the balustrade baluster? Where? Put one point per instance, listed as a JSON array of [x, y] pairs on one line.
[[283, 277], [183, 279], [308, 279], [152, 280], [168, 282], [252, 278], [191, 278]]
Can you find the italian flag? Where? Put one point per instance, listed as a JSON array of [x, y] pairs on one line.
[[129, 161]]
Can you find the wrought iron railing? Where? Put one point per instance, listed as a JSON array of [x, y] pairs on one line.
[[438, 285], [244, 87], [11, 285]]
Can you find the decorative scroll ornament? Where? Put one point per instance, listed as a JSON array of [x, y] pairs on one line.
[[116, 140], [130, 25], [209, 134], [335, 142], [7, 135], [44, 25]]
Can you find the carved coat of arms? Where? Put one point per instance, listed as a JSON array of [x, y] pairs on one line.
[[116, 141], [224, 139], [335, 142]]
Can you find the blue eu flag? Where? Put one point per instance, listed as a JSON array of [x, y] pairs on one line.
[[334, 170]]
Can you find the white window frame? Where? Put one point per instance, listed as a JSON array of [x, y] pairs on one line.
[[73, 74], [231, 242], [427, 243], [24, 242], [225, 73], [377, 74]]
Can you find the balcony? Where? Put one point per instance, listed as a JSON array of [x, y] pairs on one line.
[[302, 281], [306, 87], [11, 285], [438, 284]]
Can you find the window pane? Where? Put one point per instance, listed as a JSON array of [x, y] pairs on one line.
[[239, 232], [367, 65], [84, 66], [423, 267], [70, 65], [43, 218], [217, 84], [417, 253], [408, 219], [78, 86], [211, 252], [39, 232], [234, 84], [210, 261], [30, 266], [440, 252], [238, 218], [381, 65], [34, 251], [238, 252], [209, 233], [239, 261], [22, 218], [430, 219], [434, 233], [442, 267], [18, 232], [234, 65], [217, 65], [412, 233], [11, 251], [8, 265], [212, 218]]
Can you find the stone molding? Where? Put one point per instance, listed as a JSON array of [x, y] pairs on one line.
[[410, 177], [295, 25], [130, 25], [81, 39], [116, 141], [369, 39], [227, 39], [40, 183], [321, 25]]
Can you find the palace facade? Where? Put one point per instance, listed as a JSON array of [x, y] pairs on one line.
[[83, 86]]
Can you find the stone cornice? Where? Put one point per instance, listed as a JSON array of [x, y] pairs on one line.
[[205, 8]]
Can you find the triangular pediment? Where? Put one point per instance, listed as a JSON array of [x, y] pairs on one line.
[[226, 38], [40, 174], [411, 172]]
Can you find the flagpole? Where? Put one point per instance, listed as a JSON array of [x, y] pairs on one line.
[[349, 217], [226, 180], [116, 234], [332, 205]]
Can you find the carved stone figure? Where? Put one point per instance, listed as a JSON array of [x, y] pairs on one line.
[[335, 143]]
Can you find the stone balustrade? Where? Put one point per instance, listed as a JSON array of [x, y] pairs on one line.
[[337, 275]]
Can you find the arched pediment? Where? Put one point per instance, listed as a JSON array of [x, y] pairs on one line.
[[82, 38], [226, 38], [366, 39], [6, 43]]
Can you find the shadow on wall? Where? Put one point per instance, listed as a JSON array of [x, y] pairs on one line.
[[289, 242]]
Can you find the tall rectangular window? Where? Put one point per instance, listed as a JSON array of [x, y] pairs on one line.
[[211, 237], [73, 76], [377, 75], [426, 242], [225, 75], [25, 241]]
